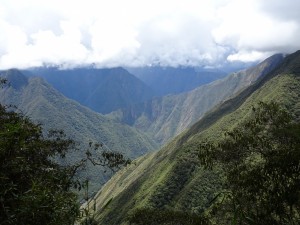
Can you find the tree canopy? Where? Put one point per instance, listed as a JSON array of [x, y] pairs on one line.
[[35, 188], [261, 164]]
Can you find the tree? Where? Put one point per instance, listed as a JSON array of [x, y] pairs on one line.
[[34, 187], [3, 82], [261, 163]]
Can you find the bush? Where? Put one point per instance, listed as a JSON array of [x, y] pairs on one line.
[[34, 188]]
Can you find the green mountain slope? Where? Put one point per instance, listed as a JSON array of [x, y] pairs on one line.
[[163, 118], [43, 104], [172, 177]]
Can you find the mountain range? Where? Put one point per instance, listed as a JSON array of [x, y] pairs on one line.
[[137, 123], [102, 90], [162, 118], [171, 80], [149, 124], [172, 178]]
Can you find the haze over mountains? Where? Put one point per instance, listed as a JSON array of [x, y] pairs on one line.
[[174, 80], [102, 90], [134, 102], [170, 80], [172, 178], [106, 90]]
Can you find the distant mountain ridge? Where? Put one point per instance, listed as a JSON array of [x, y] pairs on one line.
[[164, 117], [173, 178], [170, 80], [102, 90]]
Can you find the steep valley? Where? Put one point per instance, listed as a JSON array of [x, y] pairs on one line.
[[173, 178], [165, 117]]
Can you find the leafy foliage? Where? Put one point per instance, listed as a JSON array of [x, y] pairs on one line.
[[165, 217], [34, 187], [108, 159], [261, 161]]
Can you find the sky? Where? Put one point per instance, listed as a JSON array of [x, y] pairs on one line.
[[135, 33]]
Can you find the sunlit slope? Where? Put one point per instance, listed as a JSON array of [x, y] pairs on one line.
[[163, 118], [173, 178]]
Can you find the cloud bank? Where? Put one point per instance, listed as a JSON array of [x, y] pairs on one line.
[[139, 32]]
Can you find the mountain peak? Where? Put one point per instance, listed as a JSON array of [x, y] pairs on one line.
[[102, 90], [15, 78], [292, 63]]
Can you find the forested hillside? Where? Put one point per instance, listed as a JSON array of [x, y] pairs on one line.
[[173, 178]]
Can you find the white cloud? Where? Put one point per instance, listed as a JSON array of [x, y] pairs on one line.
[[247, 56], [254, 33], [141, 32]]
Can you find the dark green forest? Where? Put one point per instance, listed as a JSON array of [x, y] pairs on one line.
[[34, 189], [37, 186]]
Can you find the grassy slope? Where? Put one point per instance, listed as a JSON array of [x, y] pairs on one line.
[[163, 118], [172, 177], [38, 100]]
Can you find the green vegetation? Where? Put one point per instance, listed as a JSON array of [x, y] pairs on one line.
[[37, 184], [44, 105], [165, 217], [34, 189], [175, 186], [173, 178], [261, 163]]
